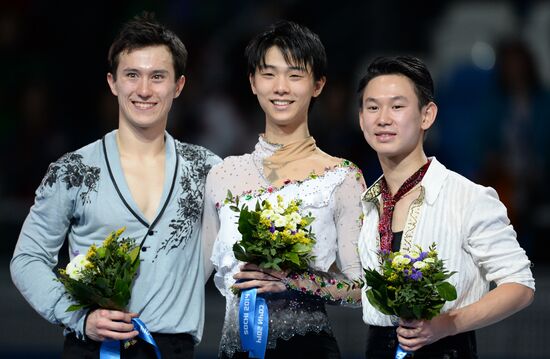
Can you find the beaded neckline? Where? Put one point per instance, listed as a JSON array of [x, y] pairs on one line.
[[247, 195]]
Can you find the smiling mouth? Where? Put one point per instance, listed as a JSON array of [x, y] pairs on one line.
[[281, 103], [144, 105]]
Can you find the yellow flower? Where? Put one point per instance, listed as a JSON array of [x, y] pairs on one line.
[[119, 231], [92, 251], [113, 236], [265, 222]]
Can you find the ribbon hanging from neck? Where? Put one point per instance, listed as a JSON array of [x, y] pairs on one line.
[[110, 349], [253, 323]]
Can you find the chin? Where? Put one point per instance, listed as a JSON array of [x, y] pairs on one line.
[[283, 121]]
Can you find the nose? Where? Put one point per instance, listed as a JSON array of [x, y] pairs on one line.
[[384, 117], [281, 85], [144, 88]]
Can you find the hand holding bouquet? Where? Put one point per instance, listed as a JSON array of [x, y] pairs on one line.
[[274, 236], [103, 276], [411, 285]]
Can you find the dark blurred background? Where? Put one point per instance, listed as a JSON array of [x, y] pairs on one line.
[[491, 65]]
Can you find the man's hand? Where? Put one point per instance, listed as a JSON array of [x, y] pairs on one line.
[[103, 324], [266, 280], [415, 334]]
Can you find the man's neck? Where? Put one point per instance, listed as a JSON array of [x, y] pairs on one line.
[[397, 170], [140, 143], [286, 134]]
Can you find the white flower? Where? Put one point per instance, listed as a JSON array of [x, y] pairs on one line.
[[420, 265], [293, 219], [278, 209], [400, 260], [268, 213], [279, 221], [75, 267], [429, 260]]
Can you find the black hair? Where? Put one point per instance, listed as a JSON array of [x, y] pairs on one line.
[[143, 31], [408, 66], [298, 44]]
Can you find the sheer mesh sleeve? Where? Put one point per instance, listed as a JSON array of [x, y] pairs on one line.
[[210, 223], [330, 287], [347, 216]]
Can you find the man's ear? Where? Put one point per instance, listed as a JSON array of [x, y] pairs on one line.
[[361, 119], [252, 86], [180, 83], [429, 113], [111, 81], [318, 86]]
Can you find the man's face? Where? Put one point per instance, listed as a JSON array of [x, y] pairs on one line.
[[391, 121], [145, 86], [284, 90]]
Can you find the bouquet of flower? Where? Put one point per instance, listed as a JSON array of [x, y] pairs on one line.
[[274, 235], [103, 276], [411, 285]]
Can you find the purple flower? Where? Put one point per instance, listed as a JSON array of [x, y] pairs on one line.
[[422, 256], [272, 228], [416, 274]]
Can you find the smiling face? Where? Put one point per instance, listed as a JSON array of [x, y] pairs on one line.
[[145, 85], [391, 120], [284, 90]]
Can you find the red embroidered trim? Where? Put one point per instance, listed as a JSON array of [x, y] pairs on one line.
[[388, 205]]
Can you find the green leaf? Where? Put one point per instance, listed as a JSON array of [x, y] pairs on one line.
[[76, 307], [374, 300], [293, 257], [134, 254], [374, 279], [240, 252], [447, 291], [301, 248]]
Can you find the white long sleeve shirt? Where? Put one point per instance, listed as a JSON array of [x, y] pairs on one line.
[[470, 227]]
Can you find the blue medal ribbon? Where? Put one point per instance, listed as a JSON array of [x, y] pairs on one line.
[[253, 323], [400, 353], [110, 349]]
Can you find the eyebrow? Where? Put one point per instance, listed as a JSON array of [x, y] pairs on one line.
[[290, 68], [393, 98], [157, 71]]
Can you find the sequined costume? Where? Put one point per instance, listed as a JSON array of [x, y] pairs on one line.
[[332, 197]]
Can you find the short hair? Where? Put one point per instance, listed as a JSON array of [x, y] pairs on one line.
[[298, 44], [408, 66], [143, 31]]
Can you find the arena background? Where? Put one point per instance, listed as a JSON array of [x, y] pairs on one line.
[[491, 65]]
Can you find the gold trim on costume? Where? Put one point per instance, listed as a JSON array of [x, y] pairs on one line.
[[412, 220]]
